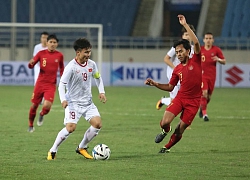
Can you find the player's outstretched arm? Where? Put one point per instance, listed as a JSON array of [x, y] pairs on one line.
[[192, 35], [164, 87]]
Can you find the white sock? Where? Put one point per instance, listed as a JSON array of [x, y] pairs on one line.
[[166, 101], [88, 136], [61, 136]]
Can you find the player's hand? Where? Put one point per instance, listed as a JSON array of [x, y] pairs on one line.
[[150, 82], [31, 62], [215, 58], [182, 19], [64, 104], [102, 97]]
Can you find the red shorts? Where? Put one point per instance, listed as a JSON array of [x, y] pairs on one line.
[[187, 107], [208, 84], [43, 91]]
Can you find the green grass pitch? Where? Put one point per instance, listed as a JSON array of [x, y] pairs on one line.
[[218, 149]]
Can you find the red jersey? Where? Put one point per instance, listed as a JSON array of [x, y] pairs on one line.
[[49, 64], [208, 64], [190, 76]]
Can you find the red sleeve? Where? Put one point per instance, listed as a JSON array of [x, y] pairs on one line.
[[219, 53], [36, 59], [175, 78], [61, 65]]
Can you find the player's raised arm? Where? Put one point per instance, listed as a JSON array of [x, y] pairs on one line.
[[192, 35]]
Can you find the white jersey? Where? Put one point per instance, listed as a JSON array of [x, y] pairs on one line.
[[77, 78], [37, 48]]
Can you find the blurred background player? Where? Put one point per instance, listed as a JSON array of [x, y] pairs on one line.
[[41, 46], [187, 100], [50, 60], [172, 61], [77, 101], [210, 55]]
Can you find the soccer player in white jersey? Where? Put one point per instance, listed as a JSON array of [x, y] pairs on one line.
[[171, 60], [41, 46], [77, 100]]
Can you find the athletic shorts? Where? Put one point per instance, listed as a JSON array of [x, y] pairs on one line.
[[47, 92], [208, 84], [187, 107], [73, 112]]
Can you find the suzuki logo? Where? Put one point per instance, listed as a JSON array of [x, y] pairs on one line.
[[234, 74]]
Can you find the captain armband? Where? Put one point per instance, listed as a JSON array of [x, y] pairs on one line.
[[97, 75]]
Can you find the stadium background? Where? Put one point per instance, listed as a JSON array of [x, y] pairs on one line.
[[136, 35]]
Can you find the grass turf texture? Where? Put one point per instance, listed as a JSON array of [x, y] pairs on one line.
[[218, 149]]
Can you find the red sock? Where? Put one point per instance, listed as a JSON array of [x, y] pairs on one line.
[[165, 127], [32, 115], [204, 105], [44, 111], [173, 140]]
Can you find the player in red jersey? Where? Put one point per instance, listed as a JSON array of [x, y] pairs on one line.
[[187, 100], [50, 60], [210, 55]]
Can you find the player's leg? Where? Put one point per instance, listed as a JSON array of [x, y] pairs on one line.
[[208, 95], [175, 138], [93, 116], [188, 114], [35, 99], [171, 112], [204, 97], [70, 120], [49, 95], [165, 126]]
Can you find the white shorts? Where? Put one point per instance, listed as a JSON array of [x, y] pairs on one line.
[[73, 113], [36, 72]]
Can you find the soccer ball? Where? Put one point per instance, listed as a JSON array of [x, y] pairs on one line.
[[101, 152]]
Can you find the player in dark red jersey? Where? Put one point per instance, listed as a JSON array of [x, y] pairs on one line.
[[187, 101], [210, 55], [50, 61]]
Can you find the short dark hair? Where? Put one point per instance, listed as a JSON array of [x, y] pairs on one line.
[[186, 44], [52, 36], [183, 30], [81, 43], [44, 33], [208, 33]]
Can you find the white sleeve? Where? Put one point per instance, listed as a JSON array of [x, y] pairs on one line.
[[171, 52], [62, 91], [63, 82], [99, 84], [35, 51]]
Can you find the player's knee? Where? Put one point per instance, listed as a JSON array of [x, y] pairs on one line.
[[96, 122], [70, 127], [34, 107]]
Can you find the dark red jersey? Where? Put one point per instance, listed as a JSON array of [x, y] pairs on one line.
[[190, 76], [50, 62], [208, 64]]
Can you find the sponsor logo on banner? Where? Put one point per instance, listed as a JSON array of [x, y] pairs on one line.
[[234, 75], [16, 73], [136, 73]]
